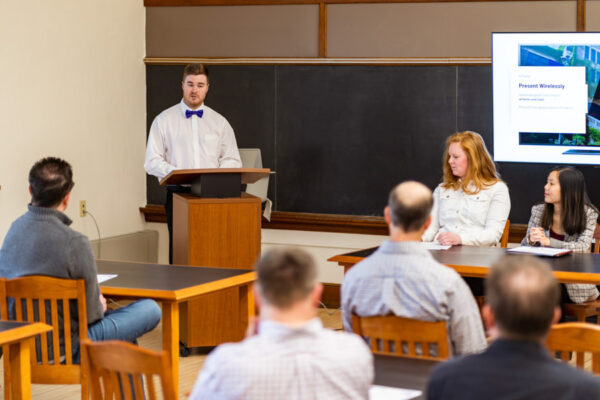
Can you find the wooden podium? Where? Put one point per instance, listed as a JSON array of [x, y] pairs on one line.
[[215, 226]]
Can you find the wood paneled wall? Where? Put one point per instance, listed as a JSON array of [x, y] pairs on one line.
[[351, 28], [436, 29], [234, 31]]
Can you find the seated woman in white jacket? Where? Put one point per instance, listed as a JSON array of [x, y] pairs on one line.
[[471, 205]]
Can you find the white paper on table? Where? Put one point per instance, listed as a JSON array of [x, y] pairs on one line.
[[539, 251], [105, 277], [377, 392], [434, 246]]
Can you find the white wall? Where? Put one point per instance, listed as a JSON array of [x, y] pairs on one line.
[[163, 240], [321, 245], [72, 84]]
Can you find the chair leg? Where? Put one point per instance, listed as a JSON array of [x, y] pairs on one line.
[[595, 363], [85, 393], [7, 377]]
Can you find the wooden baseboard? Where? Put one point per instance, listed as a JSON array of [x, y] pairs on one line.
[[154, 213], [368, 225]]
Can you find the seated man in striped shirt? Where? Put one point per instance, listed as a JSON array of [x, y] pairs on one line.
[[402, 278], [287, 353]]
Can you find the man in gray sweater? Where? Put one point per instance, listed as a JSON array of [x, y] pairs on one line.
[[40, 242]]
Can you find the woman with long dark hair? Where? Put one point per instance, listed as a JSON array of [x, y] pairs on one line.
[[566, 220]]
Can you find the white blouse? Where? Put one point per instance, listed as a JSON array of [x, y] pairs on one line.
[[478, 218]]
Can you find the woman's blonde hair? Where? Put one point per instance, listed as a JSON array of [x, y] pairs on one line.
[[481, 170]]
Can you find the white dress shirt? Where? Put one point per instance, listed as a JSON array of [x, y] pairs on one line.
[[177, 142], [292, 363], [478, 218]]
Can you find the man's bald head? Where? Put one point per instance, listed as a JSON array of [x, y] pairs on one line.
[[410, 205], [523, 295]]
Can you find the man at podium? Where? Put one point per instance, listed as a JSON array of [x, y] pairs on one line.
[[189, 135]]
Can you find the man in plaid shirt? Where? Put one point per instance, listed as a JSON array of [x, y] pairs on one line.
[[403, 278], [287, 353]]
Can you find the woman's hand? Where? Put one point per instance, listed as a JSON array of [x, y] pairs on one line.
[[537, 235], [449, 238]]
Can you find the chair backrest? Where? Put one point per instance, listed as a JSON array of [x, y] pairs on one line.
[[45, 299], [596, 244], [251, 158], [117, 369], [403, 337], [504, 237], [577, 337]]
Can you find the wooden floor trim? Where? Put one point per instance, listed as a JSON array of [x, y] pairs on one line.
[[370, 225]]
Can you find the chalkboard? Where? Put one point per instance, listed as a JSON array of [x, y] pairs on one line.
[[340, 137]]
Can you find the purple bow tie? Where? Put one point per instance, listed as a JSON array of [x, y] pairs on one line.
[[189, 113]]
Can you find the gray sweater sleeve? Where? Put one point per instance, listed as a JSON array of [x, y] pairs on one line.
[[83, 266]]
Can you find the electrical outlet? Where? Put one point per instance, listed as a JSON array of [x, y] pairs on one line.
[[82, 208]]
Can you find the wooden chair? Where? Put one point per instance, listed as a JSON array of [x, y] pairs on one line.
[[576, 337], [596, 244], [504, 237], [383, 331], [583, 310], [40, 299], [117, 369]]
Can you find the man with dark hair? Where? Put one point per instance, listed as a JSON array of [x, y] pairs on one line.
[[189, 135], [288, 354], [40, 242], [522, 303], [50, 181], [403, 279]]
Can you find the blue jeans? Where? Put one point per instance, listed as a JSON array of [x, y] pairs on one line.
[[126, 323]]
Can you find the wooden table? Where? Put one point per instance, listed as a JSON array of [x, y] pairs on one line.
[[475, 261], [401, 372], [172, 285], [16, 335]]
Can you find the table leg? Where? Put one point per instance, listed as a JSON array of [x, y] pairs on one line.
[[20, 370], [247, 306], [170, 334]]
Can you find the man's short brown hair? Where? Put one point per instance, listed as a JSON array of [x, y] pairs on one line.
[[50, 180], [285, 276], [410, 205], [523, 294], [195, 69]]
